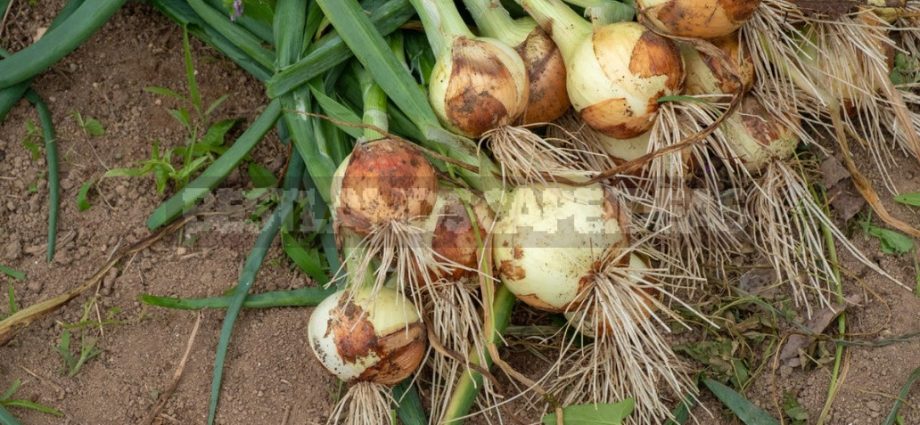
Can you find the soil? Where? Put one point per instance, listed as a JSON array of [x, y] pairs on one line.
[[270, 376]]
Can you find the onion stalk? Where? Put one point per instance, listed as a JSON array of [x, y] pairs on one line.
[[615, 73], [371, 340]]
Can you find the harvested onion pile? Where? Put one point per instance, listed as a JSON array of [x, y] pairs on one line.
[[629, 162]]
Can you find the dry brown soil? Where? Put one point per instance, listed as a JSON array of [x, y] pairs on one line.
[[270, 375]]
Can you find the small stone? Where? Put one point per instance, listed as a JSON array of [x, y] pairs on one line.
[[180, 251], [874, 406], [35, 286], [109, 278], [121, 190], [13, 249]]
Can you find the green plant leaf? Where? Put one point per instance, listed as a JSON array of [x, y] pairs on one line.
[[892, 242], [594, 414], [181, 115], [892, 417], [31, 405], [912, 199], [216, 104], [307, 260], [193, 92], [906, 69], [11, 390], [83, 196], [15, 274], [93, 127], [746, 411], [165, 92], [128, 172], [794, 410], [216, 133], [261, 177]]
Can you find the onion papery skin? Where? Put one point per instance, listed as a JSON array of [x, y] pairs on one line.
[[549, 239], [381, 181], [757, 137], [636, 264], [370, 337], [617, 74], [548, 98], [452, 235], [698, 18], [709, 75], [478, 84]]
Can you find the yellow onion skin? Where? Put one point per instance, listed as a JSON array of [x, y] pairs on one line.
[[478, 84], [637, 265], [452, 234], [757, 137], [550, 239], [383, 180], [709, 75], [369, 337], [617, 74], [698, 18], [548, 98]]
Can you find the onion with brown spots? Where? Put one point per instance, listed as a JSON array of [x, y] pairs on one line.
[[708, 75], [371, 340], [698, 18], [477, 83], [548, 99]]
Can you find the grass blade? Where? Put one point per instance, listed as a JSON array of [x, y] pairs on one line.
[[301, 297], [892, 417], [746, 411], [248, 275], [58, 42], [7, 418], [54, 202], [13, 273], [218, 170]]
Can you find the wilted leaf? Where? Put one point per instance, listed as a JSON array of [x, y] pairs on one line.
[[594, 414], [820, 321]]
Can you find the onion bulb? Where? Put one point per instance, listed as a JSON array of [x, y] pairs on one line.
[[374, 337], [451, 233], [698, 18], [756, 137], [477, 83], [709, 75], [383, 181], [615, 73], [547, 99], [543, 263]]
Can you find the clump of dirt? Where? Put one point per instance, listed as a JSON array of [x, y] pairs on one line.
[[271, 377]]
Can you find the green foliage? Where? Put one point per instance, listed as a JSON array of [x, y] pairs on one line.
[[906, 69], [90, 126], [746, 411], [13, 273], [307, 259], [892, 242], [205, 138], [33, 140], [912, 199], [7, 400], [593, 414], [83, 196], [73, 363], [893, 417], [793, 410]]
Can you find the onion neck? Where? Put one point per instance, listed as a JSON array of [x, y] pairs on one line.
[[566, 27], [375, 107], [442, 22], [494, 21]]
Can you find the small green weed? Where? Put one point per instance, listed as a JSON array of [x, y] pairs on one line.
[[892, 242], [74, 358], [32, 141], [7, 400], [90, 126], [205, 138], [906, 69]]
